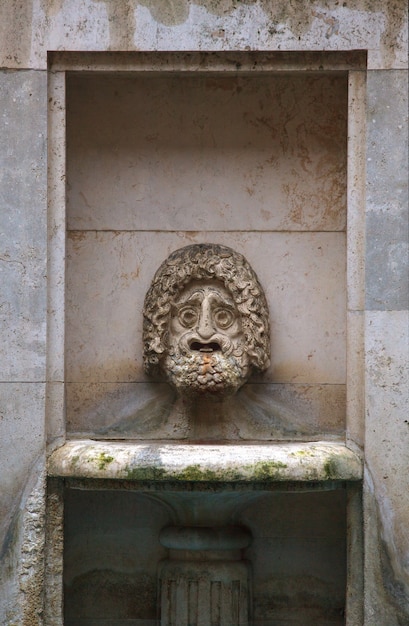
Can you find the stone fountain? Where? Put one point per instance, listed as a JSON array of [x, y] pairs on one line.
[[206, 331]]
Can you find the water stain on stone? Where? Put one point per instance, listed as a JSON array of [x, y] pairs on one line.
[[175, 12], [77, 235], [295, 15], [121, 22], [167, 12], [388, 569], [396, 16], [104, 594]]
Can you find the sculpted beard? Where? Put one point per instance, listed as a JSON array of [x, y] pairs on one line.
[[217, 373]]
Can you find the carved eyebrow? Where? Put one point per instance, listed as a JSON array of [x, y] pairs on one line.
[[197, 298], [227, 302], [194, 298]]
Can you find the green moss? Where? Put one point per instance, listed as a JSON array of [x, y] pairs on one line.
[[303, 453], [191, 473], [145, 473], [102, 460], [75, 460], [331, 469], [264, 470], [267, 470], [197, 473]]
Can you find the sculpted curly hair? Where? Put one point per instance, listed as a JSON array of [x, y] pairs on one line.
[[204, 262]]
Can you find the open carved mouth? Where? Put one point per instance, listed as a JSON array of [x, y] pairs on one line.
[[205, 347]]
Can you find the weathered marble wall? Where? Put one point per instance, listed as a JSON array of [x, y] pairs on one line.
[[387, 349], [31, 29], [23, 289], [27, 31]]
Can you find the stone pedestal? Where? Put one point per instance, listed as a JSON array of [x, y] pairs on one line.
[[205, 582], [204, 593]]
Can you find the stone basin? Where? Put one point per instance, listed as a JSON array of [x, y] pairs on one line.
[[206, 463], [205, 517]]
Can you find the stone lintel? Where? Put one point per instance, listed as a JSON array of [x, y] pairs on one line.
[[181, 61]]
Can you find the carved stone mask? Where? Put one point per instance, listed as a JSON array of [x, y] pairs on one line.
[[205, 322]]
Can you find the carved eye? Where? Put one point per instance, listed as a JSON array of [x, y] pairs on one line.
[[188, 316], [223, 318]]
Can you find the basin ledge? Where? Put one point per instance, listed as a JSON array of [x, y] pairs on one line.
[[274, 462]]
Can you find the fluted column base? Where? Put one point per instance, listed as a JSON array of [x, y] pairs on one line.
[[204, 593]]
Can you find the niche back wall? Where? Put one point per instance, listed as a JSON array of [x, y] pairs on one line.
[[158, 162]]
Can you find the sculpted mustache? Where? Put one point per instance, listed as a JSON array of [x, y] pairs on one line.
[[188, 339]]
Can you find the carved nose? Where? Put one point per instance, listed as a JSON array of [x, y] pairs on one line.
[[205, 327]]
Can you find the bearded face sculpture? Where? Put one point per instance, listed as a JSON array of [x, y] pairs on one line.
[[206, 324]]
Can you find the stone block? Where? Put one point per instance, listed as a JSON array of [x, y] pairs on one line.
[[355, 401], [23, 225], [104, 410], [387, 261], [356, 190], [303, 275], [21, 445], [95, 407], [55, 412], [387, 116], [56, 226], [387, 228], [206, 153], [387, 433], [22, 553], [385, 595]]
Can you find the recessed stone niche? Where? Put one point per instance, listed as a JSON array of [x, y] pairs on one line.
[[112, 553], [257, 161]]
